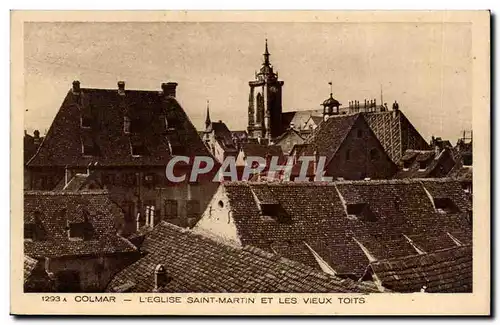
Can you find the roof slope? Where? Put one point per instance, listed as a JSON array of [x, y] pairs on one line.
[[318, 216], [222, 135], [106, 109], [435, 166], [199, 264], [260, 150], [448, 270], [328, 137], [29, 265], [396, 133], [52, 211]]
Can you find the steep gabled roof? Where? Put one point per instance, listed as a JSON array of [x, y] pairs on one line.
[[105, 110], [448, 270], [335, 218], [435, 166], [29, 265], [51, 212], [396, 133], [260, 150], [195, 263], [330, 135], [222, 135]]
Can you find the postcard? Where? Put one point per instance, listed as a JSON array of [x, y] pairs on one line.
[[250, 163]]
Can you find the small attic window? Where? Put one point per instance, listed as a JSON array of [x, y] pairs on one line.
[[89, 148], [85, 122], [172, 121], [29, 231], [174, 142], [407, 164], [360, 211], [137, 147], [445, 205], [126, 125], [422, 165], [467, 159], [374, 154], [274, 212], [81, 230]]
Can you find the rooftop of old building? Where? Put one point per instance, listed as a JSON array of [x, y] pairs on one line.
[[72, 224], [118, 127], [345, 222], [195, 263]]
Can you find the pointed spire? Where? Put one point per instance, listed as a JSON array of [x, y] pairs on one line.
[[266, 55], [207, 121]]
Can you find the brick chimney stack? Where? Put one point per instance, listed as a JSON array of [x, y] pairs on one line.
[[161, 278], [76, 87], [169, 88], [121, 88]]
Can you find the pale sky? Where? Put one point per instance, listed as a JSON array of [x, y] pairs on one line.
[[426, 67]]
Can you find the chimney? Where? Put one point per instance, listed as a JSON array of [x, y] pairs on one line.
[[76, 87], [161, 279], [121, 88], [36, 137], [169, 88]]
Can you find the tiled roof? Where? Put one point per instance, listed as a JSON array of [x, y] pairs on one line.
[[287, 132], [222, 135], [260, 150], [29, 265], [328, 137], [319, 217], [195, 263], [448, 270], [106, 109], [459, 171], [438, 166], [396, 133], [51, 212]]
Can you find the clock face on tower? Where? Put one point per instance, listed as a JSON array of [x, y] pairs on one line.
[[273, 89]]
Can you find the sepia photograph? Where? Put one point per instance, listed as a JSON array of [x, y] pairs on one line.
[[251, 163]]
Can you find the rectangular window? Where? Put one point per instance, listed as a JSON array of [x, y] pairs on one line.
[[170, 209], [360, 211], [129, 211], [138, 147], [172, 121], [467, 159], [193, 208], [150, 179], [422, 165], [445, 205], [29, 231], [407, 164], [89, 147]]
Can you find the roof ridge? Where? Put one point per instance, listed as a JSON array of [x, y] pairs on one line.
[[67, 193], [433, 253]]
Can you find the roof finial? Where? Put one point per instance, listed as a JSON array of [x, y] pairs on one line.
[[331, 88], [207, 121]]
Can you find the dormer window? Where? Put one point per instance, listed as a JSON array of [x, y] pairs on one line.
[[172, 121], [467, 159], [360, 211], [126, 125], [175, 145], [274, 212], [80, 229], [445, 205], [422, 165], [29, 231], [89, 148], [137, 147], [406, 164], [85, 122]]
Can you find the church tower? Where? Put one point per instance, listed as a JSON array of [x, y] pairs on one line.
[[265, 102]]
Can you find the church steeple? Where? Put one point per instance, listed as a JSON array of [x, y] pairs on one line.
[[207, 121]]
